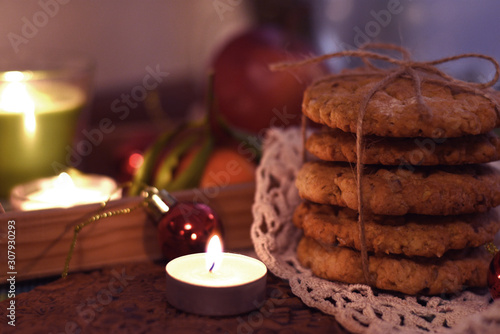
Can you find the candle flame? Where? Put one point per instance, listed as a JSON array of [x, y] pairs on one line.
[[213, 257], [65, 188], [64, 182], [15, 98]]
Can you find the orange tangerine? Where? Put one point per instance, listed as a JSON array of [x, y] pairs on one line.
[[225, 166]]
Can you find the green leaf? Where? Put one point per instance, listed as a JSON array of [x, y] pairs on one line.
[[166, 169], [191, 176], [144, 174]]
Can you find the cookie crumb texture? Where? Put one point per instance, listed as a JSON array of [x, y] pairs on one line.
[[393, 111], [448, 274], [336, 145], [446, 190], [410, 235]]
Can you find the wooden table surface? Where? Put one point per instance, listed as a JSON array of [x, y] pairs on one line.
[[130, 298]]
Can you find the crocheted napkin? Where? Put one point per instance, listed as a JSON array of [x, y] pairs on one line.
[[357, 307]]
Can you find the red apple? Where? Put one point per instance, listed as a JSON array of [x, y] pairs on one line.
[[249, 95]]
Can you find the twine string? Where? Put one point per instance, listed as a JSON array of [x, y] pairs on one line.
[[401, 50], [428, 66], [303, 130], [360, 149], [403, 68]]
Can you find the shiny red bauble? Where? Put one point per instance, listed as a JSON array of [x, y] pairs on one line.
[[494, 276], [186, 228]]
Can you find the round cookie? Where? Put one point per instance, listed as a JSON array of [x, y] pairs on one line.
[[337, 145], [393, 111], [427, 276], [410, 235], [444, 190]]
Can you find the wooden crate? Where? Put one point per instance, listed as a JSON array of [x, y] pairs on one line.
[[43, 237]]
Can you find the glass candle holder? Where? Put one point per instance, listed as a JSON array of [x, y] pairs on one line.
[[41, 100]]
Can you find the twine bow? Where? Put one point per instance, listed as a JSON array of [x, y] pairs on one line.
[[404, 68]]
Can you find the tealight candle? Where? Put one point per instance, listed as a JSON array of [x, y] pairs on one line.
[[63, 191], [216, 283]]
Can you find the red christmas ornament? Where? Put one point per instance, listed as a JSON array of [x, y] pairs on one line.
[[183, 227], [494, 276]]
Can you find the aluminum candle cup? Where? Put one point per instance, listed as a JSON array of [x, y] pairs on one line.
[[40, 104], [237, 286]]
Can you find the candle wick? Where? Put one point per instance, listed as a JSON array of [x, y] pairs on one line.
[[212, 267]]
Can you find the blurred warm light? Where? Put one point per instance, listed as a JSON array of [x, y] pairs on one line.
[[64, 182], [14, 76], [65, 188], [15, 98], [135, 161]]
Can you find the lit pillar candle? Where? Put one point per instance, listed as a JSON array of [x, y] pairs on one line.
[[38, 118], [216, 283]]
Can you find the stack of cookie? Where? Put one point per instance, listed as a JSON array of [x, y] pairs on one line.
[[429, 193]]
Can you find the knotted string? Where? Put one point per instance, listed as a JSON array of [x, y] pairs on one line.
[[404, 68]]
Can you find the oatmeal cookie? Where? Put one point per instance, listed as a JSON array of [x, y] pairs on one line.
[[443, 190], [337, 145], [410, 235], [393, 111], [429, 276]]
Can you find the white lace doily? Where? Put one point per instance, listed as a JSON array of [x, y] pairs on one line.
[[355, 306]]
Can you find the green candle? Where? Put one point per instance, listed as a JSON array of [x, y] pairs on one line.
[[37, 121]]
